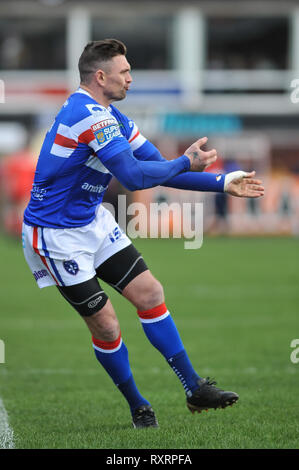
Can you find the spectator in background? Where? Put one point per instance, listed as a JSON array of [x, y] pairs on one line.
[[13, 52], [16, 177], [221, 225]]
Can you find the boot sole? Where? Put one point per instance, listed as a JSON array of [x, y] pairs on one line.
[[199, 409]]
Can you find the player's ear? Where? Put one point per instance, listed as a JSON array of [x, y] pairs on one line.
[[100, 77]]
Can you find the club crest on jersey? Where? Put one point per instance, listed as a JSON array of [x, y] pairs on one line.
[[71, 267]]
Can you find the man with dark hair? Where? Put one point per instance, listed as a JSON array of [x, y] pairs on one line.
[[96, 52], [71, 240]]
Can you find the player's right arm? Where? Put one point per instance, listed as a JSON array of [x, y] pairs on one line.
[[144, 150], [100, 130], [116, 150], [135, 174], [236, 183]]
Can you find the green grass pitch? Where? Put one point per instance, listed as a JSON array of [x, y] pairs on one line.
[[236, 304]]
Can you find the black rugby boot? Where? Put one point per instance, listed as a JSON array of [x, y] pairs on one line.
[[144, 417], [208, 396]]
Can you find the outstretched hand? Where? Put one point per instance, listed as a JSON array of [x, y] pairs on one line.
[[199, 159], [243, 184]]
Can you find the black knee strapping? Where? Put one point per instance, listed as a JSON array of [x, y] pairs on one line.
[[87, 297]]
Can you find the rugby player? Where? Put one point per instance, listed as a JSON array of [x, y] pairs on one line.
[[71, 241]]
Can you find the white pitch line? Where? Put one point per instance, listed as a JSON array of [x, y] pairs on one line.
[[6, 432]]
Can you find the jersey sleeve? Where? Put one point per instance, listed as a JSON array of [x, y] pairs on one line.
[[135, 174], [100, 131], [129, 129], [192, 181], [136, 139]]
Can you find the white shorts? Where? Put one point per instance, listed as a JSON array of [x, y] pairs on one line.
[[64, 257]]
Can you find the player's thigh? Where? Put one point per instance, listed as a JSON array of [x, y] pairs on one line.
[[144, 291], [122, 267], [127, 272], [86, 297], [92, 303]]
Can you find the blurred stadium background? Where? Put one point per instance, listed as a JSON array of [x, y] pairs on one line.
[[226, 69], [222, 68]]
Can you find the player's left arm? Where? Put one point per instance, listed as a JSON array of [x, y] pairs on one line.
[[236, 183]]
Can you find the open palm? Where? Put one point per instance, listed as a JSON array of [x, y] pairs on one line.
[[243, 184]]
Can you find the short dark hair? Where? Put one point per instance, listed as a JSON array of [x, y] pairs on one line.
[[96, 52]]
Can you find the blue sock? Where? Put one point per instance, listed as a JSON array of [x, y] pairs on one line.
[[113, 356], [161, 331]]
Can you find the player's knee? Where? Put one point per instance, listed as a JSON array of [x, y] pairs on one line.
[[107, 332], [144, 291], [151, 296], [104, 324]]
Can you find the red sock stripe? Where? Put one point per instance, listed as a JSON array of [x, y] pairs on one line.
[[153, 312], [106, 344]]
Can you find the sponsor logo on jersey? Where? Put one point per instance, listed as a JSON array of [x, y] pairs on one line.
[[105, 130], [38, 193], [71, 267], [101, 124], [92, 188], [218, 177]]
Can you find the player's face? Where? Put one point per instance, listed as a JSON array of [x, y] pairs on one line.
[[117, 78]]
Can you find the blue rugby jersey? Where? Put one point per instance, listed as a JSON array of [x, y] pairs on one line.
[[70, 179]]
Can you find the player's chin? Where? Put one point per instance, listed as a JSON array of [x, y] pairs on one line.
[[119, 96]]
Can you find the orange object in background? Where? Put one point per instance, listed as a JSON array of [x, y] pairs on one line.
[[16, 174]]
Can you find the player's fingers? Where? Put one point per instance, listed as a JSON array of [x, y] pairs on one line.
[[250, 174], [210, 154], [202, 141], [256, 187], [210, 160], [251, 181], [254, 194], [255, 191]]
